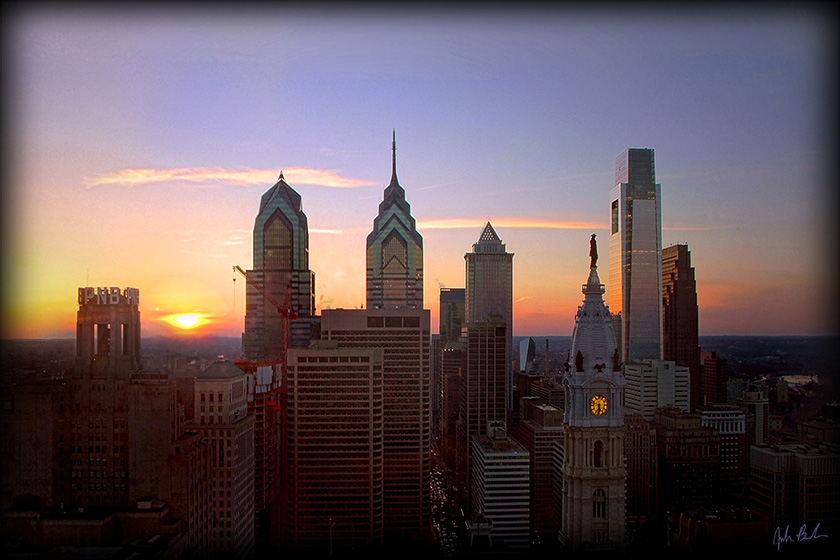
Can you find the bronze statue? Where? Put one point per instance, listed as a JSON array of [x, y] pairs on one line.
[[593, 252]]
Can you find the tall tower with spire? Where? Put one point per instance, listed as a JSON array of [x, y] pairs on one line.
[[593, 469], [489, 291], [394, 251], [281, 266]]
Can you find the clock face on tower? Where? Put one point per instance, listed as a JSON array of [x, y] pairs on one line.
[[598, 405]]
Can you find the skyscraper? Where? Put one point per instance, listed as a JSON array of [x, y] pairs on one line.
[[635, 246], [403, 335], [483, 398], [446, 370], [594, 475], [107, 354], [394, 251], [481, 393], [489, 290], [451, 314], [333, 483], [281, 269], [680, 316]]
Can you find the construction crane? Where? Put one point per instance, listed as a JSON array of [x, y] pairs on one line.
[[285, 309], [287, 312]]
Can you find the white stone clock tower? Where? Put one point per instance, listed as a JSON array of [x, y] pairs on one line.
[[593, 473]]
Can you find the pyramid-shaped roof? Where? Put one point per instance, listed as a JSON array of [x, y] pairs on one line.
[[489, 241]]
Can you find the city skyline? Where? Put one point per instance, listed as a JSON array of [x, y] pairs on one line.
[[141, 145]]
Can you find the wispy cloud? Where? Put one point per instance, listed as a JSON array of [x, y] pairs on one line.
[[328, 231], [527, 223], [437, 186], [213, 177], [507, 223]]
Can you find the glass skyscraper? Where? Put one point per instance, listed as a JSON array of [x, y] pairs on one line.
[[281, 267], [635, 290]]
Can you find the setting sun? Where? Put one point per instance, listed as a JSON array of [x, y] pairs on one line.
[[185, 320]]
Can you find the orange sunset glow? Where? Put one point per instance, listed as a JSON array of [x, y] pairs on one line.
[[154, 181]]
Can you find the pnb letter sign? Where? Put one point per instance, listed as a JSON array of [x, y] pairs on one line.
[[109, 296]]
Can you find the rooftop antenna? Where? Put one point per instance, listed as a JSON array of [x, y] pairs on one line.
[[394, 180]]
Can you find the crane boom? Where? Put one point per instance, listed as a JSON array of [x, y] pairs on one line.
[[284, 309]]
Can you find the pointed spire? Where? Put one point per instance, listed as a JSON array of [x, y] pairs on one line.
[[280, 178], [394, 180]]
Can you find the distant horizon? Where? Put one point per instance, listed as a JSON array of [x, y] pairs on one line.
[[212, 336]]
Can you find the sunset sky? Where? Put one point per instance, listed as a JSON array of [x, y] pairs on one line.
[[137, 144]]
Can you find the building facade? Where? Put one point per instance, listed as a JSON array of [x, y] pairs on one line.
[[499, 490], [394, 251], [452, 314], [796, 485], [755, 403], [730, 422], [540, 427], [688, 461], [635, 264], [713, 386], [680, 342], [483, 390], [403, 336], [333, 485], [222, 419], [266, 399], [653, 384], [640, 453], [281, 270], [445, 366]]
